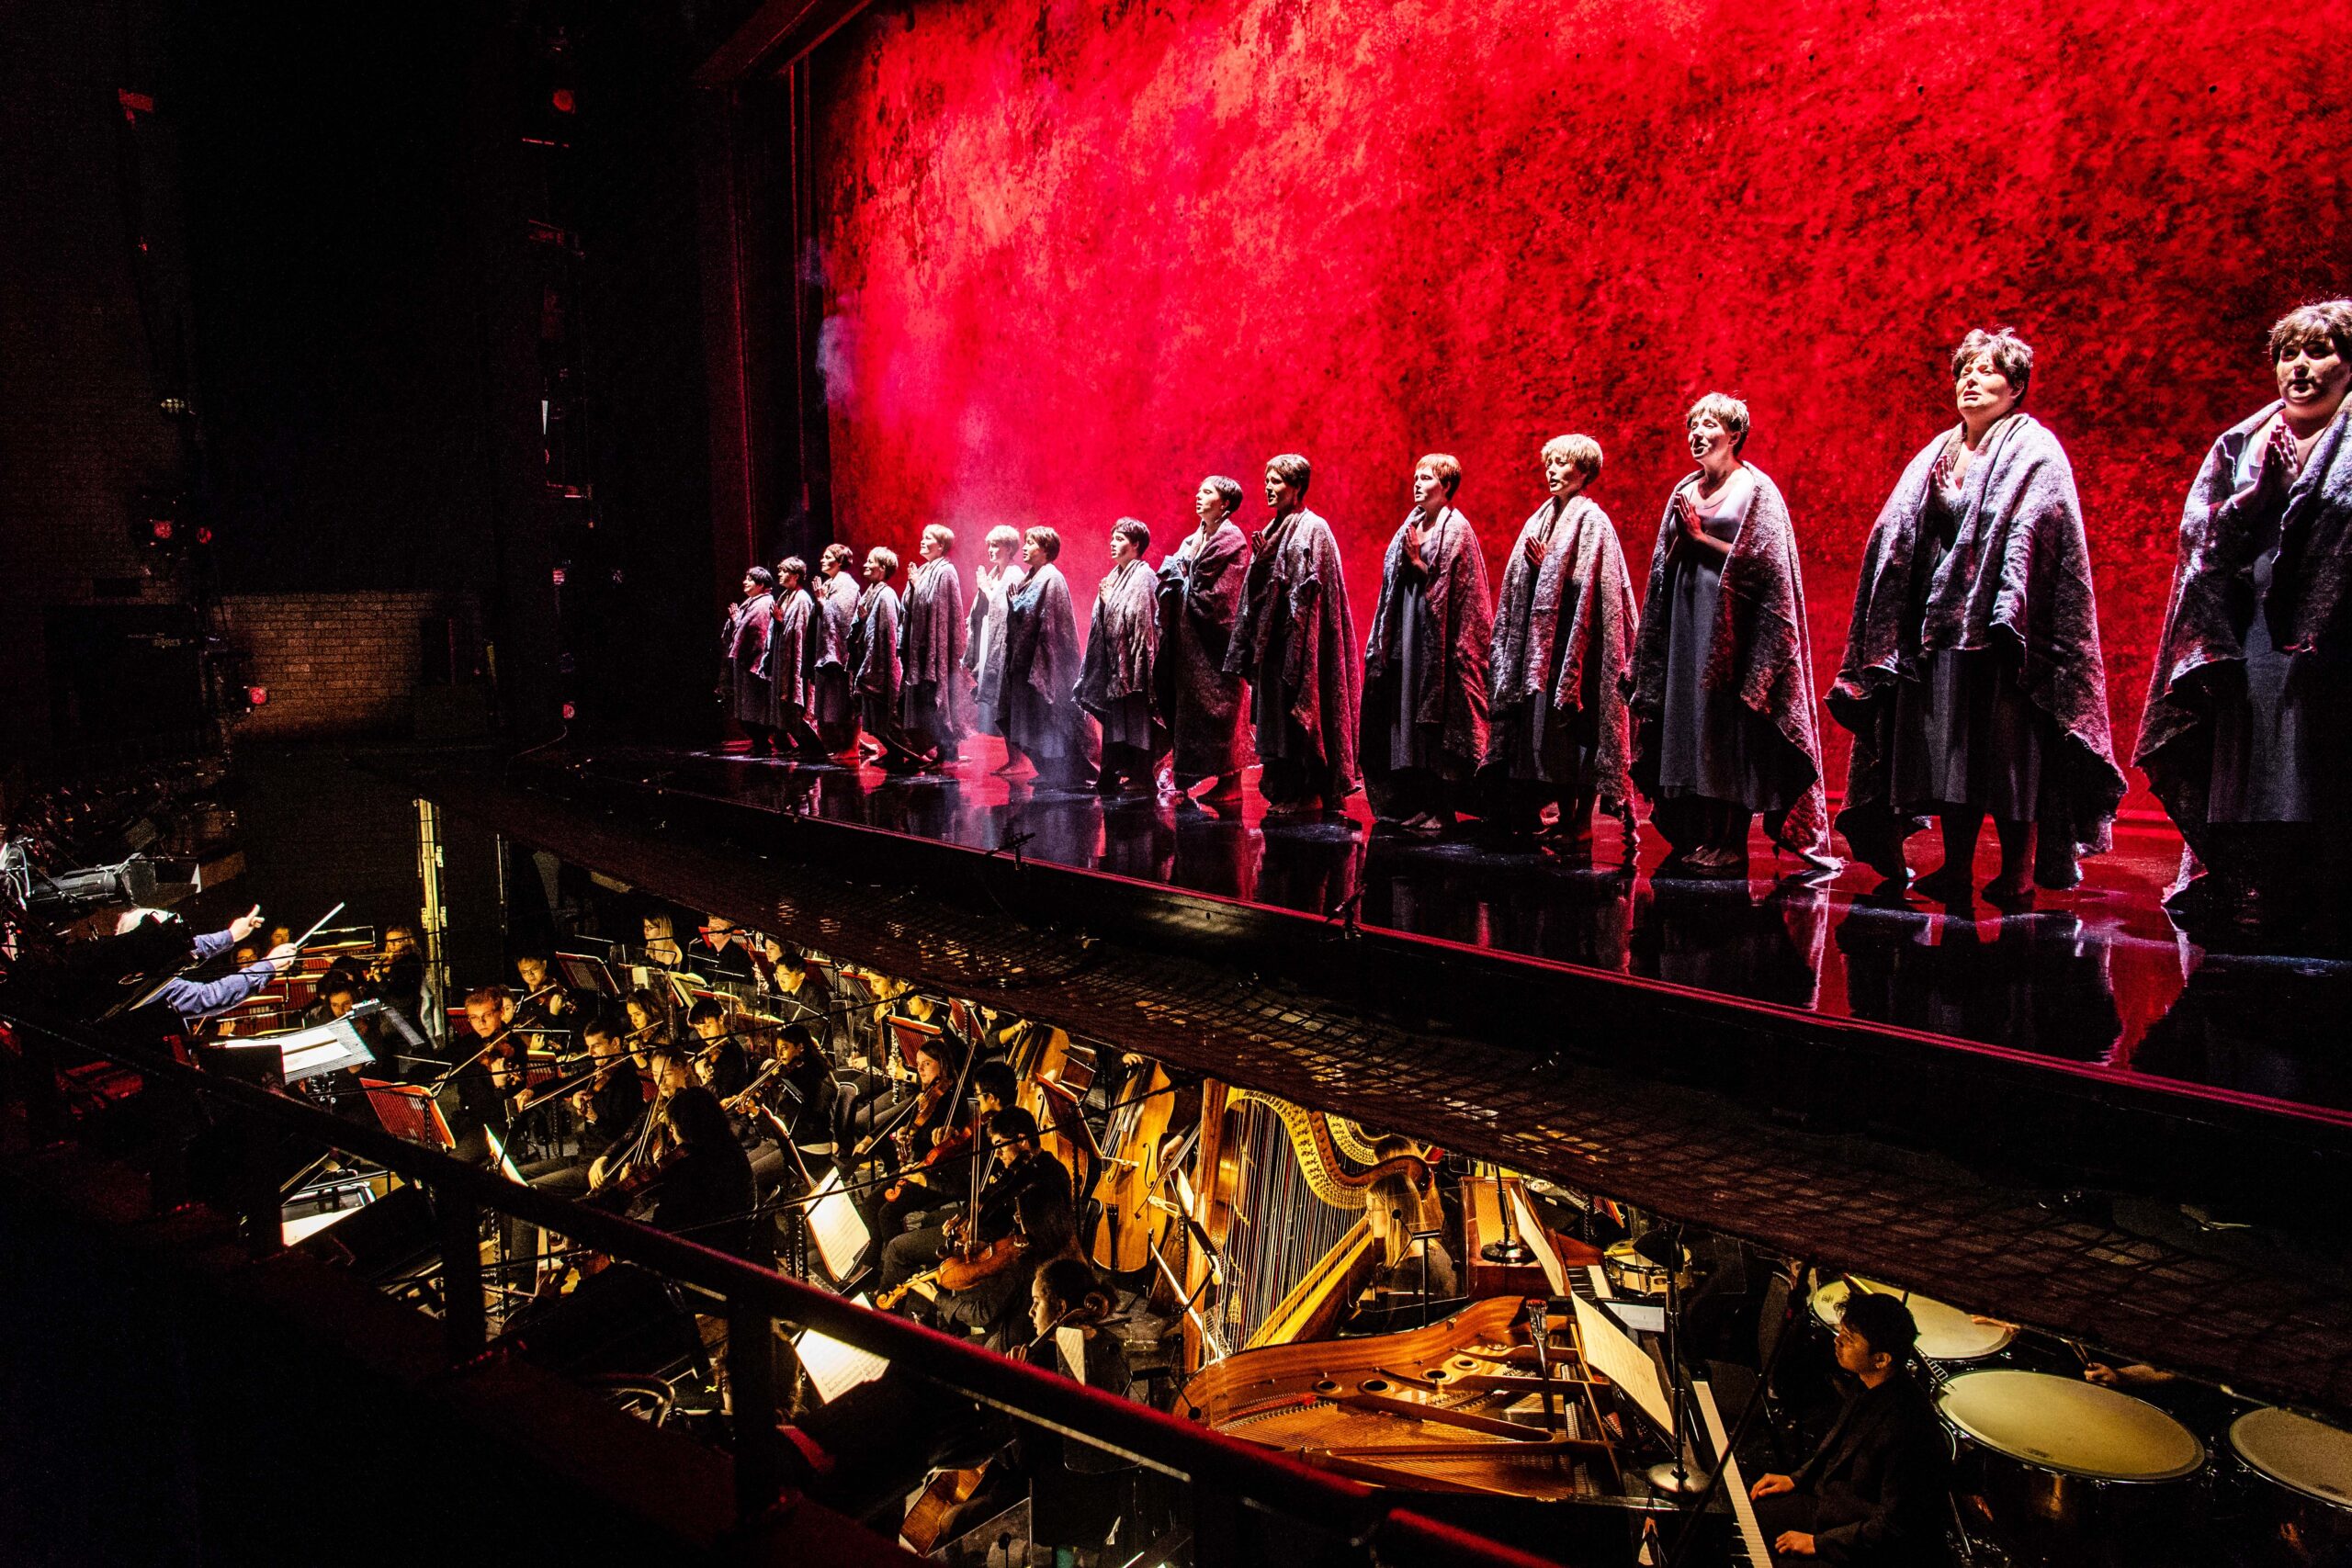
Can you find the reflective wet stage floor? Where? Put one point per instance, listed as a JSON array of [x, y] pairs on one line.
[[2096, 975]]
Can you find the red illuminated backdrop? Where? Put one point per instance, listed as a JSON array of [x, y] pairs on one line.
[[1079, 256]]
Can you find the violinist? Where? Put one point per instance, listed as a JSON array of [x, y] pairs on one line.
[[797, 1103], [648, 1026], [721, 1064], [704, 1189], [608, 1106], [608, 1109], [1019, 1164], [490, 1069], [934, 1146], [982, 1289]]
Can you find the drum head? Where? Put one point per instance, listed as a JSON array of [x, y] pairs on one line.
[[2296, 1451], [2070, 1427], [1946, 1333]]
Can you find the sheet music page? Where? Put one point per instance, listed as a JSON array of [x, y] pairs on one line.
[[1609, 1351], [1532, 1231], [834, 1366], [836, 1227]]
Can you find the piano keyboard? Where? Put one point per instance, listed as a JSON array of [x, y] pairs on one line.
[[1750, 1548]]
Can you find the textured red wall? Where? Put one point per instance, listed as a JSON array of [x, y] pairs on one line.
[[1079, 256]]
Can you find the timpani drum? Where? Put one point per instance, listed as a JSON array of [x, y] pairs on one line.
[[2301, 1483], [1946, 1333], [2071, 1472]]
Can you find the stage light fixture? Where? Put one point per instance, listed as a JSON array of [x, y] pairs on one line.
[[569, 712]]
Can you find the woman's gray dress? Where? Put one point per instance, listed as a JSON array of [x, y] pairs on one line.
[[1964, 738], [1708, 744]]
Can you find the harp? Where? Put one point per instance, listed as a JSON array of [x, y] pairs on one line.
[[1283, 1210]]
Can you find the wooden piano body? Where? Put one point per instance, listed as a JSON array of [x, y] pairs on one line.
[[1454, 1413]]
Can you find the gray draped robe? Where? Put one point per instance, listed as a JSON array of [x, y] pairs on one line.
[[2012, 594], [1295, 643], [1200, 594], [1561, 660], [1425, 662], [1759, 659]]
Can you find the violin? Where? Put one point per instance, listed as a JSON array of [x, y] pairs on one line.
[[960, 1270], [637, 1167], [752, 1093]]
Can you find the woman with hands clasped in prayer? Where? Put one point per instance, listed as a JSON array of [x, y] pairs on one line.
[[1560, 732], [1722, 669]]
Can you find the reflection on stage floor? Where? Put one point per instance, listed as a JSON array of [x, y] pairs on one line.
[[2097, 975]]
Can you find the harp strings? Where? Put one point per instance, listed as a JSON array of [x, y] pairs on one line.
[[1281, 1229]]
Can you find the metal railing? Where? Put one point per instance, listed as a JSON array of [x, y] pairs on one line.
[[1225, 1477]]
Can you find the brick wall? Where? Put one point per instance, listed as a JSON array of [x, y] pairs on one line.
[[335, 663]]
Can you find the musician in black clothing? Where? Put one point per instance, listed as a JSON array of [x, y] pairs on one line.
[[704, 1189], [607, 1107], [797, 1107], [1020, 1164], [491, 1071], [721, 1064], [718, 951], [1874, 1492], [398, 975], [609, 1110]]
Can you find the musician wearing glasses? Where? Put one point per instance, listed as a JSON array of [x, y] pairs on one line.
[[1873, 1492], [719, 951]]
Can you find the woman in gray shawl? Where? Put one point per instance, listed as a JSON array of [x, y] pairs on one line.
[[2248, 706], [1200, 593], [1425, 663], [1294, 642], [931, 710], [742, 661], [1561, 732], [1042, 719], [873, 662], [835, 710], [1972, 678], [984, 630], [1722, 671], [793, 637], [1114, 682]]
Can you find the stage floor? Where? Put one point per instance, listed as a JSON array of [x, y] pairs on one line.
[[2097, 975]]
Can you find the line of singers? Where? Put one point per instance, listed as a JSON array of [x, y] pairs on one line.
[[1973, 680]]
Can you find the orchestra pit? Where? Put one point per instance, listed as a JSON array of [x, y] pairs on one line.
[[784, 786]]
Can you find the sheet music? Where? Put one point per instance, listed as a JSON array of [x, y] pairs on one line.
[[836, 1227], [1609, 1351], [834, 1366], [319, 1048], [1532, 1231]]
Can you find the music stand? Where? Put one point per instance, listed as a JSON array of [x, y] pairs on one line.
[[582, 971], [407, 1111]]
